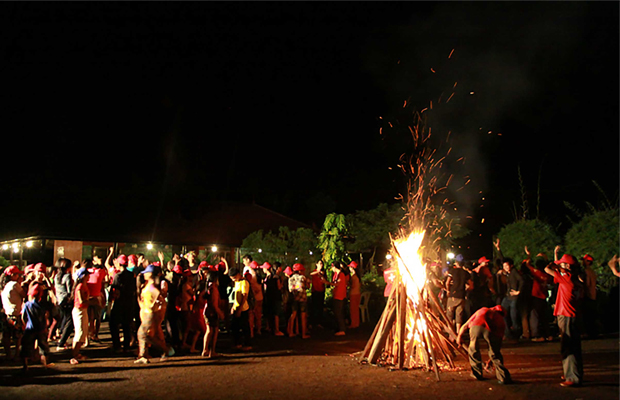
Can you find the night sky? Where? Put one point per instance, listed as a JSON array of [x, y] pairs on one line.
[[280, 103]]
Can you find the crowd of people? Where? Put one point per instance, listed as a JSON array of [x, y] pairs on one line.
[[166, 308], [180, 306], [528, 301]]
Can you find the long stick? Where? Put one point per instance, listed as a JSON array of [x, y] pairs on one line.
[[401, 328], [382, 335]]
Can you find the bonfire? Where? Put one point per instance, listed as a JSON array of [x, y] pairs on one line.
[[414, 331]]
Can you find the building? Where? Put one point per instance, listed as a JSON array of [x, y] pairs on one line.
[[211, 229]]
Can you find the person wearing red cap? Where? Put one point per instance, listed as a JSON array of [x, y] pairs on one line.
[[566, 308], [13, 295], [35, 325], [297, 285], [273, 298], [256, 309], [590, 320], [122, 297], [488, 324], [355, 295], [96, 278], [538, 321], [483, 290]]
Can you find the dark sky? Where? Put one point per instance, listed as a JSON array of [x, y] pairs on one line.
[[280, 103]]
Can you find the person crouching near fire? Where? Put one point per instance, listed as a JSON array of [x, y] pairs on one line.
[[487, 324]]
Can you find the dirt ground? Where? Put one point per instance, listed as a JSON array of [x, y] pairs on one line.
[[322, 367]]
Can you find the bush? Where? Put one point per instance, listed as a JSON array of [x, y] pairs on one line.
[[598, 235], [538, 236]]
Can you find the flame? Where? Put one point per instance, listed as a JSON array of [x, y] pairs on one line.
[[410, 266]]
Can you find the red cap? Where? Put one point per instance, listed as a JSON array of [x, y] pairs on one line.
[[588, 257], [133, 259], [266, 265], [177, 269], [499, 309], [203, 265], [568, 259], [288, 271], [29, 269], [122, 259], [353, 264], [298, 267], [11, 270], [40, 267], [221, 266], [483, 259], [187, 272], [253, 265]]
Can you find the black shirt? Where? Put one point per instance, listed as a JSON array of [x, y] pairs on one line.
[[459, 279]]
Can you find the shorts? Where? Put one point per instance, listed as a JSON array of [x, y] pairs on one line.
[[301, 306], [212, 320], [13, 327], [28, 340], [80, 323], [272, 309]]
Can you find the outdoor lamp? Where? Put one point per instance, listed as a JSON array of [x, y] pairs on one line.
[[149, 246], [5, 246], [214, 249], [388, 256], [450, 256], [29, 244]]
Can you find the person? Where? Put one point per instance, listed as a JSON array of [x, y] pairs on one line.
[[256, 309], [514, 285], [566, 309], [355, 295], [80, 311], [240, 324], [483, 288], [340, 280], [212, 314], [298, 284], [97, 276], [272, 299], [590, 320], [538, 322], [33, 318], [318, 279], [488, 324], [458, 283], [122, 295], [63, 283], [613, 265], [224, 288], [287, 297], [150, 333], [13, 295], [184, 304]]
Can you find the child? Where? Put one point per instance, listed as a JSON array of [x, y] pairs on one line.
[[212, 314], [150, 332], [80, 311], [273, 298], [33, 317]]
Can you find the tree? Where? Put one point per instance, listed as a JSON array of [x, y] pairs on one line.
[[285, 246], [331, 240]]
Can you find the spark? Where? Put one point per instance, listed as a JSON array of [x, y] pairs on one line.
[[482, 222], [405, 105], [451, 53], [450, 97], [471, 92], [432, 70], [380, 131]]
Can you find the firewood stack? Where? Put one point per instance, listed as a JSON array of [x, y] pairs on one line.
[[413, 331]]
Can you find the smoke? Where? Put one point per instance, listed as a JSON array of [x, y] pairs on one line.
[[489, 59]]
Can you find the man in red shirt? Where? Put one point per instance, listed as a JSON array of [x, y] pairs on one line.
[[566, 305], [487, 324]]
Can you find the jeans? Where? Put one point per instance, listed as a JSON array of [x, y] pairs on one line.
[[240, 326], [495, 355], [513, 317]]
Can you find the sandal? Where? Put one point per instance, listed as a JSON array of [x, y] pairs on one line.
[[73, 361]]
